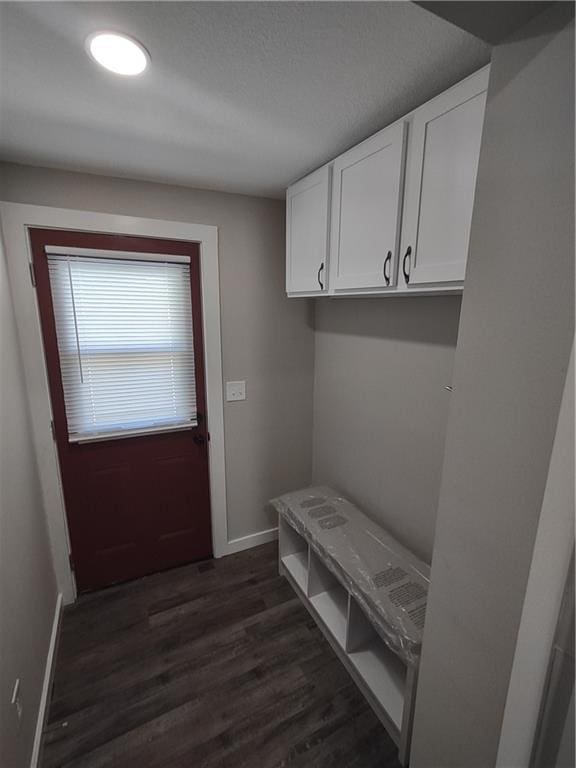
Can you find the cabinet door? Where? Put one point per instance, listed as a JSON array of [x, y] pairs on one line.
[[366, 206], [307, 212], [441, 166]]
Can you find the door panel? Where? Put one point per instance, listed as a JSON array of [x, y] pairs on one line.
[[307, 209], [108, 488], [137, 504], [175, 496], [366, 212], [443, 154]]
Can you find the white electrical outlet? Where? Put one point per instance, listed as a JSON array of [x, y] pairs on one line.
[[16, 700], [235, 390]]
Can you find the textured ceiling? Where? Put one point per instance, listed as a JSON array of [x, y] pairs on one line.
[[241, 97]]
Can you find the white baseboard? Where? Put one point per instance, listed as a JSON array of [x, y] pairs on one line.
[[252, 540], [48, 672]]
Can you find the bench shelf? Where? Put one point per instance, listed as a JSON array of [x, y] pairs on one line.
[[387, 681]]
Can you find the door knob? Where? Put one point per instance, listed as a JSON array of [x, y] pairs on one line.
[[199, 439]]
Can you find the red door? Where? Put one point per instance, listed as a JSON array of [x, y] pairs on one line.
[[129, 412]]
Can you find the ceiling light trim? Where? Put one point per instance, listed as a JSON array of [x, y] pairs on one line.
[[109, 66]]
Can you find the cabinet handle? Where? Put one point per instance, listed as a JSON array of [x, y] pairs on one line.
[[387, 261], [404, 270], [320, 283]]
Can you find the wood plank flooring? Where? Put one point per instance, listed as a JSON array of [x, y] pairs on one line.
[[207, 666]]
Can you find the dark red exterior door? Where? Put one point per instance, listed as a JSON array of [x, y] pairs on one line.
[[140, 504]]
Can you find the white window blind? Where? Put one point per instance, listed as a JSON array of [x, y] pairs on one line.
[[124, 330]]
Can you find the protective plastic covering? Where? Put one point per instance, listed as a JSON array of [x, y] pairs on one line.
[[388, 581]]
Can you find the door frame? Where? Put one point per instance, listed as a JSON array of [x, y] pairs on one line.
[[16, 219]]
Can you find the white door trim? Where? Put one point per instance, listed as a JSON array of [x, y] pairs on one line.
[[15, 220]]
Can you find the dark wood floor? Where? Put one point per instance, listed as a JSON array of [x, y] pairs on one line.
[[207, 666]]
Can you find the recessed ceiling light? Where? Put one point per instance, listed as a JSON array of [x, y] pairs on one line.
[[119, 53]]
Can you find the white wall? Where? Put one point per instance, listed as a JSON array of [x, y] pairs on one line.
[[266, 339], [381, 407], [544, 594], [27, 585], [516, 332]]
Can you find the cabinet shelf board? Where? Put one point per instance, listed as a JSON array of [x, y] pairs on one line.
[[384, 674], [332, 608], [297, 565]]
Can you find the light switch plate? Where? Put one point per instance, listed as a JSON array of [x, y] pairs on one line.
[[235, 390]]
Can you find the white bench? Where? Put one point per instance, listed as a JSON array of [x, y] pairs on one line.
[[367, 594]]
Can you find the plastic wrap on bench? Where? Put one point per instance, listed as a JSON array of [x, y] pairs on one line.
[[387, 580]]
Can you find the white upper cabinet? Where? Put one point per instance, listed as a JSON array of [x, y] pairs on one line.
[[307, 223], [366, 212], [392, 215], [441, 166]]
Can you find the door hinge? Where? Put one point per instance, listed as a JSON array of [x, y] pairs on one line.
[[32, 273], [71, 562], [53, 430]]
